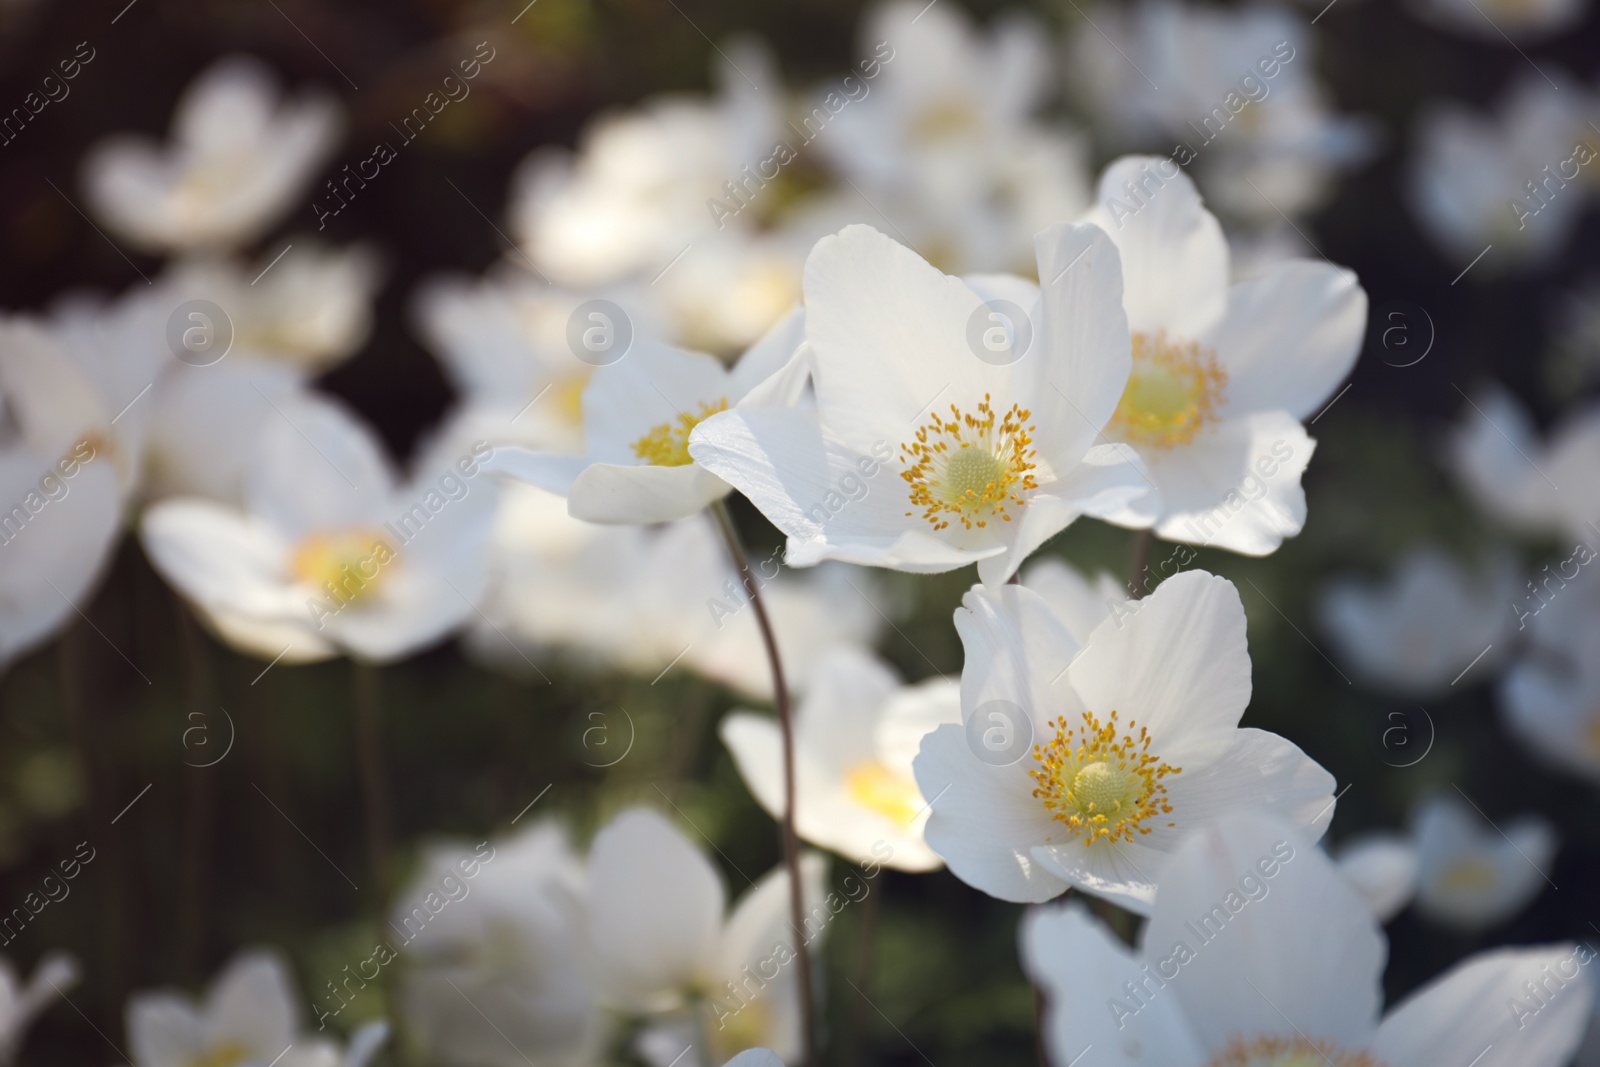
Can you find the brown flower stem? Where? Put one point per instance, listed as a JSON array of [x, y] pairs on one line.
[[1142, 542], [790, 842], [369, 760]]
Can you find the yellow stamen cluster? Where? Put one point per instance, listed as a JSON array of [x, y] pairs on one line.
[[888, 792], [223, 1054], [1102, 785], [667, 445], [1172, 394], [970, 468], [345, 563], [1469, 875], [1288, 1052]]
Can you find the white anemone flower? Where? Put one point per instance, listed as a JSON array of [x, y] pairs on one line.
[[638, 414], [1238, 100], [635, 193], [856, 734], [238, 157], [662, 944], [1535, 487], [60, 490], [494, 967], [1550, 698], [21, 1004], [1383, 868], [310, 309], [1079, 603], [505, 341], [944, 136], [1258, 954], [250, 1017], [1107, 754], [945, 432], [650, 600], [1475, 875], [1502, 21], [329, 554], [1517, 179], [1222, 375], [119, 345], [1417, 631]]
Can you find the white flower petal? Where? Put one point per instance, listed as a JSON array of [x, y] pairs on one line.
[[984, 821], [1174, 257], [1236, 487], [1084, 351], [1480, 1012], [832, 502], [1255, 902], [644, 494], [1081, 969], [1383, 867], [655, 908], [889, 332], [1178, 665], [1290, 337]]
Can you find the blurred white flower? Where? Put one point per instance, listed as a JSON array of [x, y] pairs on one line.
[[505, 343], [119, 346], [60, 497], [855, 733], [638, 413], [498, 976], [1258, 954], [1234, 95], [729, 290], [1474, 875], [250, 1016], [1077, 602], [1222, 376], [635, 193], [1518, 179], [204, 423], [1550, 698], [1417, 630], [942, 136], [1540, 488], [1134, 741], [238, 157], [21, 1004], [328, 554], [1502, 21], [645, 599], [896, 345], [1383, 868], [311, 309], [662, 944]]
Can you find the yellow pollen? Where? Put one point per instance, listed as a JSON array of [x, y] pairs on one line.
[[1288, 1052], [1591, 735], [734, 1024], [567, 393], [667, 445], [348, 563], [886, 791], [1469, 875], [970, 468], [222, 1054], [947, 119], [1101, 785], [1172, 394]]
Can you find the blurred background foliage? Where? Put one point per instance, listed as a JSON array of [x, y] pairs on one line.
[[211, 859]]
